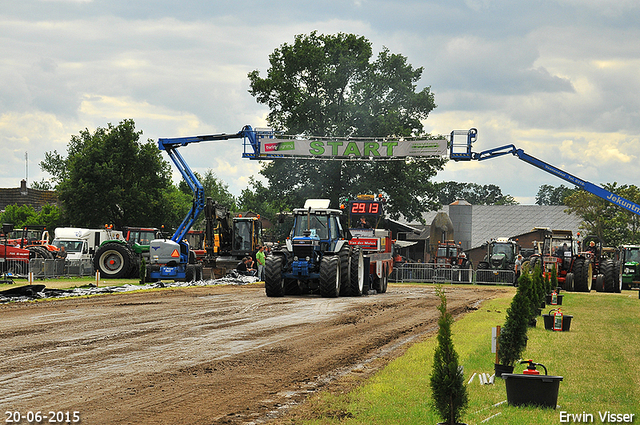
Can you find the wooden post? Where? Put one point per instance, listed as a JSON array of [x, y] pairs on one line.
[[497, 342]]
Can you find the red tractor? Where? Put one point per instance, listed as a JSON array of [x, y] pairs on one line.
[[13, 260], [560, 250], [451, 263], [605, 273], [35, 239]]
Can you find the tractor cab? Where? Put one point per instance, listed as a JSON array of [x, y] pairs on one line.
[[558, 250], [449, 254], [629, 258], [501, 253], [316, 230]]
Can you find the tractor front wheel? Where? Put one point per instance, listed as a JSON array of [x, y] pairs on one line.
[[583, 275], [113, 260], [345, 271], [330, 276], [568, 282], [273, 282], [607, 269], [355, 285]]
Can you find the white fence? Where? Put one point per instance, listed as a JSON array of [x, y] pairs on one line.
[[424, 272]]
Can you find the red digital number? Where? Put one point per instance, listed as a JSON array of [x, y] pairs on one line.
[[358, 208], [365, 208]]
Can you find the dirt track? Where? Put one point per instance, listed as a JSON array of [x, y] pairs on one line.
[[203, 355]]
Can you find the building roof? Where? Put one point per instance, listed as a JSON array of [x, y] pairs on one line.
[[493, 221], [27, 196]]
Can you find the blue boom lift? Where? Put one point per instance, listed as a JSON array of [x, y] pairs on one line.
[[463, 152], [172, 258]]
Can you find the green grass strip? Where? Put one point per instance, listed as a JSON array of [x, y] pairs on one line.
[[598, 359]]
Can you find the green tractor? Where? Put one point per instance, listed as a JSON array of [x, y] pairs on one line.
[[629, 259], [498, 265], [121, 258]]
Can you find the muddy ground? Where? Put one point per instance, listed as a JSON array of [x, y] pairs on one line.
[[204, 355]]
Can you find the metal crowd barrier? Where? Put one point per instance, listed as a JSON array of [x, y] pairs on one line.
[[13, 267], [503, 277], [43, 269], [425, 272]]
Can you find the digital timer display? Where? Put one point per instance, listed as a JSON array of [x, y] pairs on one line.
[[365, 207]]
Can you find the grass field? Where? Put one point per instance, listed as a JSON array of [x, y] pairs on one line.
[[598, 359]]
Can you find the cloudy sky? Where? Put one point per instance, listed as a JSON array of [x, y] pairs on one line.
[[557, 78]]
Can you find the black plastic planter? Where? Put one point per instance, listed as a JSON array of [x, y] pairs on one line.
[[566, 322], [548, 299], [532, 390], [500, 369]]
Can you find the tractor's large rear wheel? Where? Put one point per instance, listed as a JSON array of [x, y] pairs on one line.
[[273, 282], [194, 273], [41, 252], [330, 276], [113, 260], [190, 273]]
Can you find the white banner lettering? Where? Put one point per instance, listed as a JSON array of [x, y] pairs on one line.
[[350, 149]]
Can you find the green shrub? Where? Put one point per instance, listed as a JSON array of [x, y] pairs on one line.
[[513, 334], [553, 283], [447, 381]]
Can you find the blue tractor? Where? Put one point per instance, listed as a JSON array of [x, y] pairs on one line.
[[316, 258]]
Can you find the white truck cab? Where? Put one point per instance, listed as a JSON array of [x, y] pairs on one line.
[[81, 244]]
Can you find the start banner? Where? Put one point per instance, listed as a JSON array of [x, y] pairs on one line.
[[352, 149]]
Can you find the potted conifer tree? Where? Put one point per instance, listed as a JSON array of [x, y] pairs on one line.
[[535, 293], [447, 380], [553, 286], [513, 334]]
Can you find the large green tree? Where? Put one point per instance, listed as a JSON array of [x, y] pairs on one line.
[[613, 224], [257, 198], [26, 215], [551, 195], [475, 194], [214, 188], [329, 86], [111, 177]]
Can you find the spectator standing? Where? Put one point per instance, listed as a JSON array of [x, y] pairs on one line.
[[260, 260], [518, 266], [62, 253]]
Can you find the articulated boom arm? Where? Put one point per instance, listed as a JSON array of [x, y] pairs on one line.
[[467, 155], [171, 145]]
